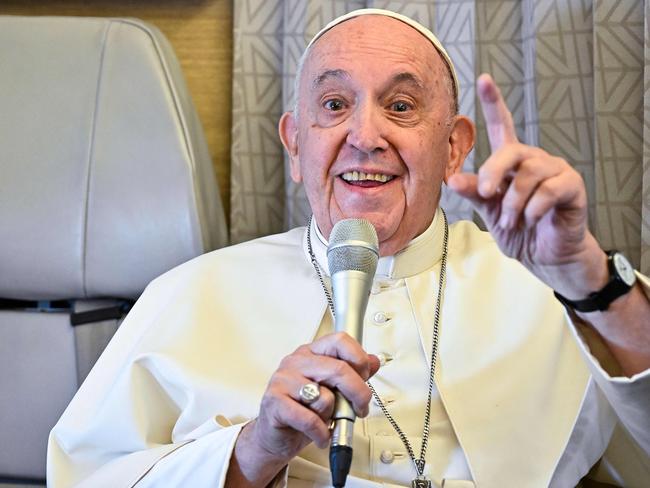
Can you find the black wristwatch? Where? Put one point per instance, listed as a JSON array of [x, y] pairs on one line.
[[621, 280]]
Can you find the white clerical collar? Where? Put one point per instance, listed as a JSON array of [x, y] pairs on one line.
[[419, 255]]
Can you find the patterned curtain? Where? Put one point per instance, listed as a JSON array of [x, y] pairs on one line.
[[572, 72]]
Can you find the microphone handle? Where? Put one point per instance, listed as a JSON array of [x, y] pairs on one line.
[[351, 290]]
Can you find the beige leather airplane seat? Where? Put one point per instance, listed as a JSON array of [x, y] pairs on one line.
[[105, 183]]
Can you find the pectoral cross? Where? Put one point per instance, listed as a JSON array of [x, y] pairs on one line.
[[421, 482]]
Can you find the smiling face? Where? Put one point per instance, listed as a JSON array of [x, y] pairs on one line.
[[376, 135]]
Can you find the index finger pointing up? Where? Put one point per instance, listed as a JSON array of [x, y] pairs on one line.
[[498, 119]]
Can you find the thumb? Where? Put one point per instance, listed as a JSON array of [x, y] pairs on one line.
[[466, 185], [374, 364]]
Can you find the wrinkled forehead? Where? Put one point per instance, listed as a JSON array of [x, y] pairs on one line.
[[406, 20]]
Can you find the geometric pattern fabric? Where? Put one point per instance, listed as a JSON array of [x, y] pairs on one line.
[[573, 74]]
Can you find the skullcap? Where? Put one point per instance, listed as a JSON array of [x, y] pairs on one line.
[[402, 18]]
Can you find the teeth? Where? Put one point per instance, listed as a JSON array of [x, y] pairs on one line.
[[361, 176]]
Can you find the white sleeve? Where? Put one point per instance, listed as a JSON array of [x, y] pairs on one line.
[[202, 462], [629, 397], [121, 428]]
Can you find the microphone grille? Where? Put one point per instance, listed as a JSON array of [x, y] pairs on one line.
[[353, 245]]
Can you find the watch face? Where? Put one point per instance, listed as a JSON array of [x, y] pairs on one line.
[[624, 269]]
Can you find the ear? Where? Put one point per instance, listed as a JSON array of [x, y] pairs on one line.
[[461, 142], [288, 130]]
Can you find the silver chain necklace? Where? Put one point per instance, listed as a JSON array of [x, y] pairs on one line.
[[421, 481]]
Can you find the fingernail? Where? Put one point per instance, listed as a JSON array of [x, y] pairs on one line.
[[505, 222]]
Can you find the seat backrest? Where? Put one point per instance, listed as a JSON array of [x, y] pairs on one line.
[[105, 183]]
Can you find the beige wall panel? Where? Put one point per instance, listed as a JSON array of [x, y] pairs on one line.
[[201, 33]]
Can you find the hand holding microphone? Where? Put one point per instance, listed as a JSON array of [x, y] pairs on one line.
[[334, 364]]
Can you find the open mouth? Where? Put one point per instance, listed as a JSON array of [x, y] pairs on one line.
[[359, 178]]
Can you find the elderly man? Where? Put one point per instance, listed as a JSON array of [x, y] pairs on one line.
[[200, 386]]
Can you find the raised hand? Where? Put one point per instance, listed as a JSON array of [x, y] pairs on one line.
[[286, 424], [534, 204], [535, 207]]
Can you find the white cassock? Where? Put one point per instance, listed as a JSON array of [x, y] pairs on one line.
[[522, 398]]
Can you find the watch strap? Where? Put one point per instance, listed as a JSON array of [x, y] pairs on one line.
[[599, 300]]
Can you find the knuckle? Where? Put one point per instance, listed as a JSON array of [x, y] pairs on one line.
[[535, 152], [530, 165], [327, 398], [535, 213], [561, 162], [277, 419], [275, 382], [276, 379], [354, 360], [302, 350], [365, 396], [268, 401], [548, 189], [518, 186], [342, 338], [323, 409], [363, 368], [575, 175], [312, 422], [286, 362], [341, 368], [511, 203], [317, 406]]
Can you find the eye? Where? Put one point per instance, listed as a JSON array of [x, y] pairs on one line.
[[400, 107], [334, 105]]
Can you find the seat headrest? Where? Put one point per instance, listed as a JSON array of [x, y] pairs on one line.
[[105, 177]]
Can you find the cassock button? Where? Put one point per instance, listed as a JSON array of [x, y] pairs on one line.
[[380, 318], [386, 457], [384, 358]]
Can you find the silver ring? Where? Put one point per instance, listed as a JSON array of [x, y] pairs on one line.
[[309, 393]]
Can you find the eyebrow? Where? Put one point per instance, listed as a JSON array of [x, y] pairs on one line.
[[330, 73], [341, 74], [408, 78]]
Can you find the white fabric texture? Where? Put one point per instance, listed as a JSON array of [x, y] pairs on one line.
[[189, 365]]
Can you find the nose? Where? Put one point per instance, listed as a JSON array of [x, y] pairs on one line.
[[366, 129]]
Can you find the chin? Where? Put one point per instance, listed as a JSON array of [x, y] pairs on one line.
[[391, 247], [395, 240], [385, 232], [389, 240]]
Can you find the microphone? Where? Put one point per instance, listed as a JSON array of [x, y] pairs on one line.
[[352, 256]]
